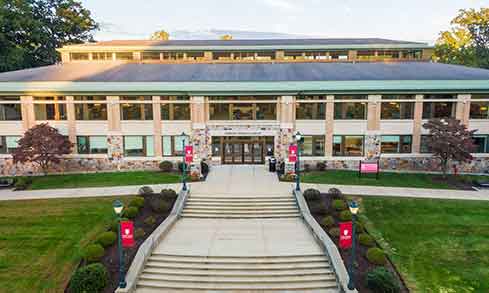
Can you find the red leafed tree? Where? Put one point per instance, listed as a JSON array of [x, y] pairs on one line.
[[449, 140], [42, 145]]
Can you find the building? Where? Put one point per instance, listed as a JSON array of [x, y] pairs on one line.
[[133, 104]]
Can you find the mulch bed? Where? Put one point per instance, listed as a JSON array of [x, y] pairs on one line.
[[363, 266]]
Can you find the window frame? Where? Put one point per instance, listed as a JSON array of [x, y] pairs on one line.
[[400, 144], [342, 146], [88, 145]]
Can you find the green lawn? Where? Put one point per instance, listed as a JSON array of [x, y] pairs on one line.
[[40, 240], [437, 245], [346, 177], [103, 179]]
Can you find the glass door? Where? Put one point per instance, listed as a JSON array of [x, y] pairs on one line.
[[248, 153], [257, 153], [237, 153], [228, 153]]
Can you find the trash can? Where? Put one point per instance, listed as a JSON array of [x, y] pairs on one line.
[[272, 165]]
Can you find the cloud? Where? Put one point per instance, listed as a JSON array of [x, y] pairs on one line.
[[282, 4]]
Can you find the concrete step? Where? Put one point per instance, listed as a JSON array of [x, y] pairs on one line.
[[252, 196], [231, 273], [238, 280], [239, 266], [233, 216], [238, 260], [242, 199], [244, 205], [240, 211]]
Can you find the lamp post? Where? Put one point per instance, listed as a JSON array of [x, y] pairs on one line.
[[354, 210], [118, 207], [298, 138], [184, 164]]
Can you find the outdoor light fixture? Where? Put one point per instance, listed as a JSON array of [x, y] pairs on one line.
[[298, 136], [298, 139], [118, 207], [354, 207]]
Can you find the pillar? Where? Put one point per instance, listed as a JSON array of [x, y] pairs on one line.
[[114, 135], [200, 137], [352, 55], [372, 137], [417, 124], [27, 110], [463, 108], [287, 125], [157, 126], [71, 119], [328, 140]]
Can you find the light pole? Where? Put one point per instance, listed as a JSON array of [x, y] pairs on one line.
[[118, 207], [354, 210], [298, 139], [184, 165]]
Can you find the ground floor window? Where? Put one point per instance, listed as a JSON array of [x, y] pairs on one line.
[[433, 110], [481, 142], [348, 145], [425, 147], [138, 146], [8, 144], [313, 146], [396, 144], [479, 110], [91, 144], [174, 145]]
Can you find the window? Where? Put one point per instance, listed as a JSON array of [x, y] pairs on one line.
[[243, 111], [174, 111], [350, 110], [150, 56], [313, 146], [481, 142], [396, 144], [425, 147], [216, 145], [173, 55], [397, 110], [310, 111], [479, 110], [222, 55], [138, 146], [124, 56], [50, 111], [101, 56], [293, 55], [412, 54], [136, 111], [348, 145], [91, 144], [339, 55], [196, 56], [92, 109], [441, 109], [8, 144], [10, 112], [79, 56], [174, 145]]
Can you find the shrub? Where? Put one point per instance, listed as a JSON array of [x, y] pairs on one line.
[[90, 278], [376, 256], [195, 177], [137, 202], [321, 166], [139, 233], [366, 240], [335, 232], [339, 205], [114, 225], [145, 191], [318, 207], [131, 212], [169, 193], [158, 204], [22, 183], [106, 239], [93, 253], [150, 221], [327, 221], [166, 166], [359, 227], [312, 194], [287, 177], [335, 193], [345, 216], [382, 281], [204, 168]]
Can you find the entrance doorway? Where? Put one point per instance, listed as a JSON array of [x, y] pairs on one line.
[[245, 150]]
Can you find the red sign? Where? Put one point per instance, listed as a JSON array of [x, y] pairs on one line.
[[369, 167], [127, 233], [345, 235], [189, 154], [292, 153]]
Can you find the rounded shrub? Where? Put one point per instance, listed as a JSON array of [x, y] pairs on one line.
[[150, 221], [22, 183], [169, 193], [158, 204], [114, 225], [345, 216], [139, 233], [106, 239], [145, 191], [321, 166], [312, 194], [339, 205], [366, 240], [382, 281], [359, 227], [376, 256], [93, 253], [335, 232], [166, 166], [287, 177], [137, 202], [90, 278], [335, 193], [131, 212], [327, 221]]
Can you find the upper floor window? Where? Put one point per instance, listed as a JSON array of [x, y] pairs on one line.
[[397, 110], [150, 56], [8, 144], [174, 145], [172, 55], [102, 56], [350, 110], [313, 146], [79, 56], [396, 144], [440, 109], [244, 108], [309, 110], [425, 146], [91, 144], [135, 108], [196, 56], [348, 145], [138, 146], [10, 112], [50, 108], [124, 56], [175, 111], [412, 54], [479, 110], [93, 109]]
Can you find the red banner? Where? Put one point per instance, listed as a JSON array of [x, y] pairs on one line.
[[127, 233], [369, 167], [189, 154], [345, 235], [292, 153]]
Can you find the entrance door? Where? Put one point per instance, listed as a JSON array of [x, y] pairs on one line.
[[238, 153], [243, 151]]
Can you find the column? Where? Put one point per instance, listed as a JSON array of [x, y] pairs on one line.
[[157, 126], [279, 55], [200, 138], [27, 110], [417, 124], [463, 108], [352, 55], [328, 140], [287, 124], [372, 137], [114, 135], [71, 119], [208, 56]]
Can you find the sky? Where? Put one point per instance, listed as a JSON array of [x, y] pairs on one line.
[[413, 20]]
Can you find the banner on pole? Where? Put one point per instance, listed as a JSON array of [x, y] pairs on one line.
[[127, 234], [346, 235], [293, 153]]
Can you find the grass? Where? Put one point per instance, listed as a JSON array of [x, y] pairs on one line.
[[437, 245], [103, 179], [40, 240], [346, 177]]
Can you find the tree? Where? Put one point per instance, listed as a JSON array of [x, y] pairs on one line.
[[31, 30], [449, 140], [226, 37], [160, 36], [42, 145], [467, 42]]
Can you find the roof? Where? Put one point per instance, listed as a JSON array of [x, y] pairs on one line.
[[332, 43], [137, 76]]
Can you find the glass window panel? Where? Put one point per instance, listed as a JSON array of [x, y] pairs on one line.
[[150, 55], [50, 111], [179, 142], [167, 150], [90, 111], [102, 56], [307, 146], [3, 145], [390, 144], [181, 111], [133, 146], [348, 146], [219, 111], [98, 144], [479, 110], [350, 111], [242, 111], [480, 142], [11, 142], [10, 112], [397, 110], [424, 145], [150, 146], [79, 56], [216, 146], [83, 145], [438, 110], [136, 111], [124, 56], [310, 111], [266, 111]]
